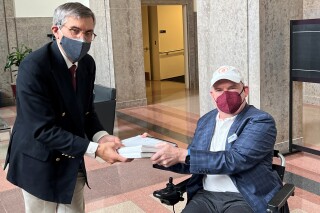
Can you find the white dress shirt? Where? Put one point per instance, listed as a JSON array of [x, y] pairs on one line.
[[220, 182]]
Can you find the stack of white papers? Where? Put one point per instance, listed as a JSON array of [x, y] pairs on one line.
[[139, 151], [140, 147]]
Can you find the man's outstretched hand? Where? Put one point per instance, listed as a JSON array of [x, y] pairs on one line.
[[107, 149]]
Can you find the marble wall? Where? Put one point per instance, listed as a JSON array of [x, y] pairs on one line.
[[126, 25], [222, 40], [102, 48], [253, 36], [7, 40], [31, 32], [311, 91], [118, 49], [274, 67]]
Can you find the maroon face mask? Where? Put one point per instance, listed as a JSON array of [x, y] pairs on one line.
[[229, 102]]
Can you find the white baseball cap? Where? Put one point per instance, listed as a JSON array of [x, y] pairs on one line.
[[226, 72]]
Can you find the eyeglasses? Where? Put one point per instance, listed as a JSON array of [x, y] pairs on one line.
[[75, 32]]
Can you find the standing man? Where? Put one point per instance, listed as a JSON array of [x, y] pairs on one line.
[[56, 124], [230, 157]]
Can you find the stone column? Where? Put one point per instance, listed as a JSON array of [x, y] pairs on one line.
[[119, 47], [126, 24], [254, 36], [101, 48]]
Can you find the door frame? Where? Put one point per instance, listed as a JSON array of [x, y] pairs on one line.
[[191, 64]]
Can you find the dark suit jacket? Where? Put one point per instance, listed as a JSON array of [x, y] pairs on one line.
[[247, 158], [53, 124]]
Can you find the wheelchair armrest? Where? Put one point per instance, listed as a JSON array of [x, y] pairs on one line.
[[281, 198]]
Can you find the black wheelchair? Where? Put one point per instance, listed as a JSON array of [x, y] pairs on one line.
[[172, 194]]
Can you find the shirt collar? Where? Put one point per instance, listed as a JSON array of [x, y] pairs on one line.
[[225, 119]]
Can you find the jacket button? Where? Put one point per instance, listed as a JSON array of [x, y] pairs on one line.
[[63, 114], [87, 113], [57, 159]]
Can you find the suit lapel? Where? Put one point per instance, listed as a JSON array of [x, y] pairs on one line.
[[210, 132], [82, 87], [63, 79], [235, 126]]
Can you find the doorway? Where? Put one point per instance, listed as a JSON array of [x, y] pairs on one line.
[[165, 55]]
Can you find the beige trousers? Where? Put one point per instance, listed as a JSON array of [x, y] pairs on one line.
[[34, 204]]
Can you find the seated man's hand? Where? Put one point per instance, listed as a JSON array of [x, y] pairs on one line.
[[169, 155], [108, 152]]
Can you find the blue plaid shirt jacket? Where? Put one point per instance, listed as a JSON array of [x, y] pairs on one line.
[[247, 158]]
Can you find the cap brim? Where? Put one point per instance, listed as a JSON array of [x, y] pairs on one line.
[[230, 78]]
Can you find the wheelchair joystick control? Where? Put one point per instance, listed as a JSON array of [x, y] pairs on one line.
[[169, 195], [170, 185]]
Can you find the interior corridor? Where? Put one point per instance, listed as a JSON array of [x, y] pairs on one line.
[[172, 114]]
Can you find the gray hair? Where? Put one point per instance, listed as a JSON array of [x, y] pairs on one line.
[[72, 9]]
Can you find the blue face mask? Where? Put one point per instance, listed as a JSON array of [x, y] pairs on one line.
[[74, 49]]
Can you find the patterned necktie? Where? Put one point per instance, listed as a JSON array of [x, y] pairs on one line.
[[73, 76]]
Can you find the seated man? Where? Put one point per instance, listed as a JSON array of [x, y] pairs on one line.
[[230, 157]]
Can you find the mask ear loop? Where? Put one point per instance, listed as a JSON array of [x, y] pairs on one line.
[[59, 28], [242, 88], [241, 93]]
